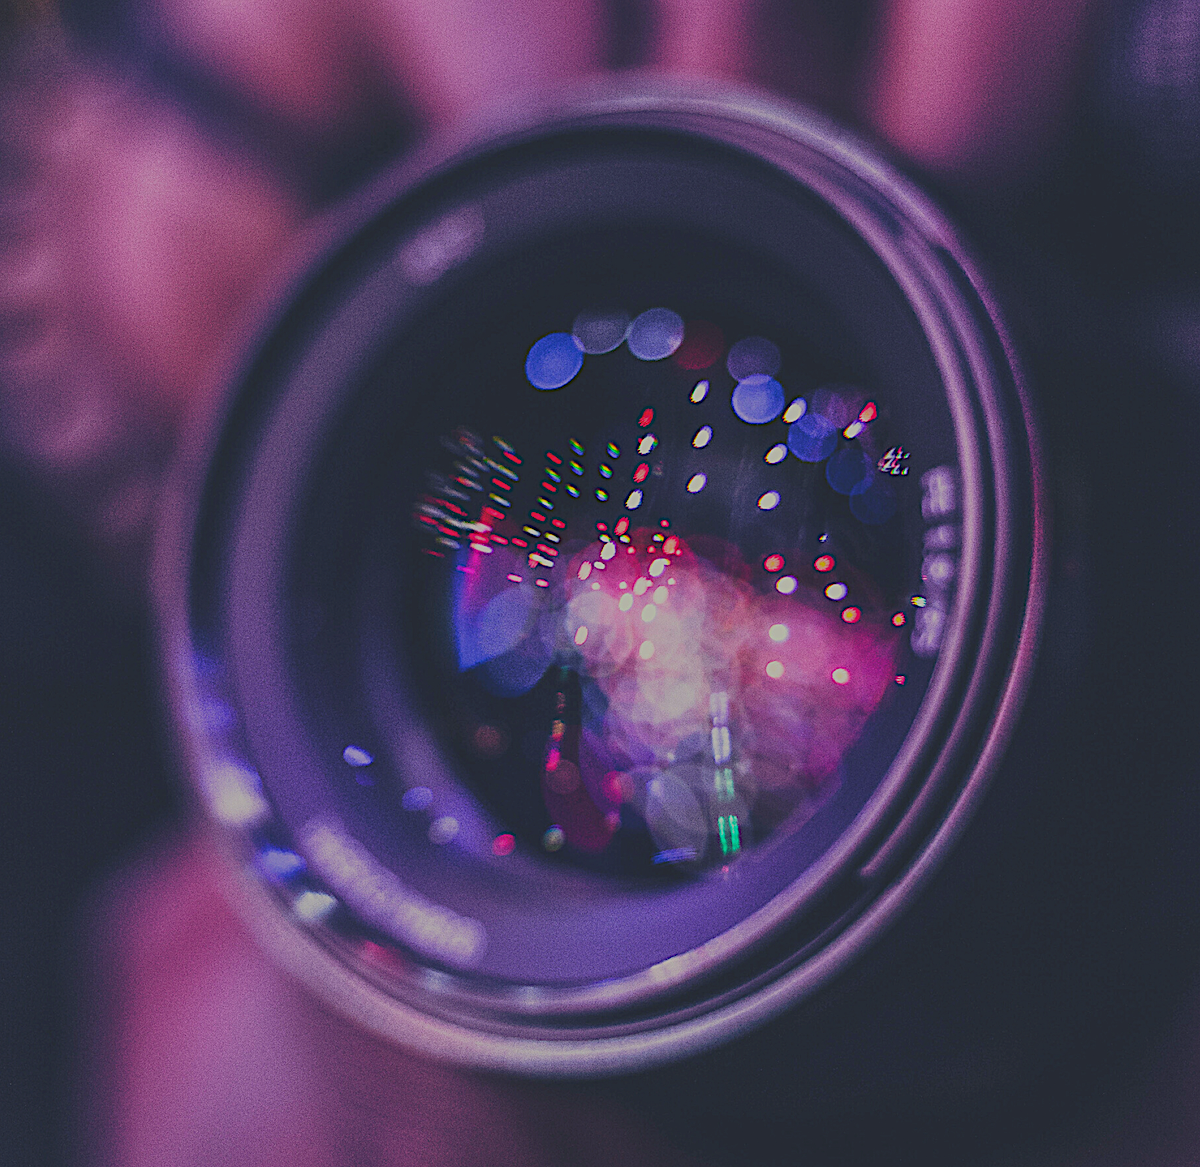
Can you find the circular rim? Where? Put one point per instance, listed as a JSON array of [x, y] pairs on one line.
[[892, 837]]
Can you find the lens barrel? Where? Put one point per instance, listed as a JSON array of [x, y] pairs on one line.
[[612, 584]]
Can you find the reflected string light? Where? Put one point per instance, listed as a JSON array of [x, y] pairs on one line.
[[840, 676], [703, 437], [658, 566], [600, 331], [655, 334], [661, 594], [553, 361], [775, 669], [768, 501], [697, 483], [758, 399], [626, 602], [786, 585], [775, 454], [581, 634], [753, 356], [648, 613], [647, 649], [795, 411], [778, 633], [699, 392], [837, 591]]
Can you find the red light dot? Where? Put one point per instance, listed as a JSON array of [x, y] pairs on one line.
[[503, 845], [622, 527], [669, 544], [869, 412], [642, 472], [664, 522], [601, 526], [823, 563], [557, 523], [703, 343], [898, 619], [541, 518], [646, 418], [851, 615], [519, 543], [773, 563], [900, 678]]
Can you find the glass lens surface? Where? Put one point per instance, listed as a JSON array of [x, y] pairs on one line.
[[655, 558]]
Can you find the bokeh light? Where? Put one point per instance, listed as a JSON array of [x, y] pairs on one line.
[[773, 562], [847, 468], [775, 669], [778, 633], [503, 845], [655, 334], [703, 344], [812, 438], [699, 392], [553, 361], [600, 331], [775, 454], [696, 483], [768, 501], [758, 399], [837, 591], [554, 838], [840, 676], [703, 437], [753, 356], [786, 585], [823, 563], [851, 615]]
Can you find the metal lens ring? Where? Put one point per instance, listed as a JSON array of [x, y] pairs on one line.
[[612, 583]]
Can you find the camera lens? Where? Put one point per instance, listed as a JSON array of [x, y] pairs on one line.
[[612, 582]]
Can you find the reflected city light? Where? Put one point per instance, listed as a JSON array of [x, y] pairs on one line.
[[795, 410]]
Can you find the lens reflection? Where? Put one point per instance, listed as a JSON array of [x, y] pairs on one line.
[[667, 696]]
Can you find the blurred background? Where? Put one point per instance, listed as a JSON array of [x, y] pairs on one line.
[[158, 160]]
